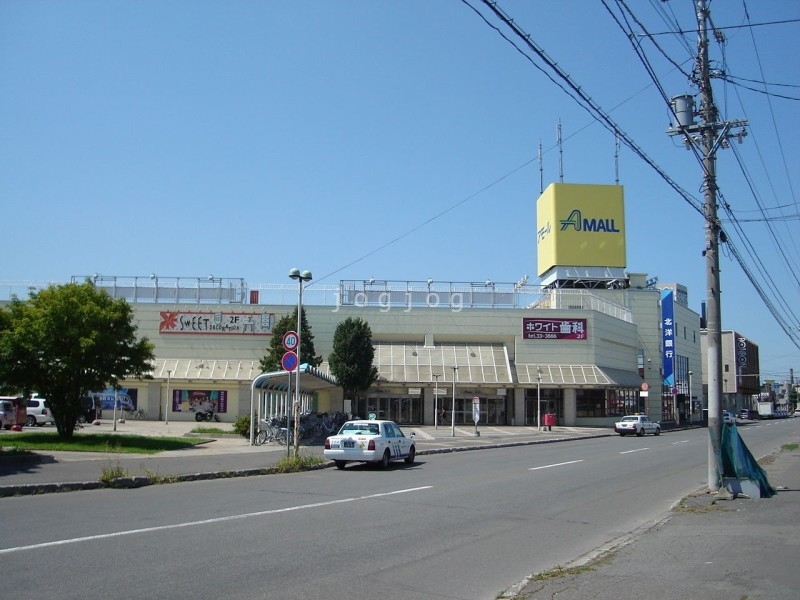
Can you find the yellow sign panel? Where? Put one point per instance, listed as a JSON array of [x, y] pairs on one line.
[[580, 225]]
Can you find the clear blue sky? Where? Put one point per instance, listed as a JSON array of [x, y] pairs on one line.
[[243, 138]]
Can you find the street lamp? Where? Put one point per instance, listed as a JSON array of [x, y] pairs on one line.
[[690, 397], [436, 401], [453, 408], [115, 408], [538, 400], [295, 274], [167, 403]]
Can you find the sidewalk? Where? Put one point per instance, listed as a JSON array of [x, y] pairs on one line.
[[709, 547], [225, 456]]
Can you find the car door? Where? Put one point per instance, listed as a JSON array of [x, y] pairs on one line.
[[394, 438]]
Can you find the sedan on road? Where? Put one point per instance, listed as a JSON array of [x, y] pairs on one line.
[[370, 441], [637, 425]]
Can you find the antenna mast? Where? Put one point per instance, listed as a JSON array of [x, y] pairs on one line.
[[541, 170], [560, 154]]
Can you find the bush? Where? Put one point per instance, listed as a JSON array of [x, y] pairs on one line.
[[295, 464], [242, 426]]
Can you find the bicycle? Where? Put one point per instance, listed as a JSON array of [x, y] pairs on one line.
[[137, 413], [283, 435], [270, 431]]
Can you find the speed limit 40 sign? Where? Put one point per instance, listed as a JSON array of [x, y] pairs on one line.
[[290, 340]]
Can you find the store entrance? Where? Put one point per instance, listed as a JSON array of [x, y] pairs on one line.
[[401, 410], [552, 402]]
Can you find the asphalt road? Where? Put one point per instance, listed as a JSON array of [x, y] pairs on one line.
[[463, 525]]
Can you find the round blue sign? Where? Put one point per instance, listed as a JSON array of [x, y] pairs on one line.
[[289, 361]]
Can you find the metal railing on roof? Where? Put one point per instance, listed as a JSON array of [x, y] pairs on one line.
[[382, 294]]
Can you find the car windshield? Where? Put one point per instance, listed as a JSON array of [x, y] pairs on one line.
[[360, 429], [630, 419]]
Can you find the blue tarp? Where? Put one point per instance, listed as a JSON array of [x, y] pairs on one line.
[[737, 462]]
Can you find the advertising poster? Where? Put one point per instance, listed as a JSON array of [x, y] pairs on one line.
[[127, 399], [200, 400]]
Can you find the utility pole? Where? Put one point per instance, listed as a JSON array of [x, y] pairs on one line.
[[708, 136]]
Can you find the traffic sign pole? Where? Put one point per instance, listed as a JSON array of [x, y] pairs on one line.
[[476, 413]]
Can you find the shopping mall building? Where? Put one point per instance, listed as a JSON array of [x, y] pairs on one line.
[[588, 343]]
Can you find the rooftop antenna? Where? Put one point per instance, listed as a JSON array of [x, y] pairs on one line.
[[560, 155], [541, 171]]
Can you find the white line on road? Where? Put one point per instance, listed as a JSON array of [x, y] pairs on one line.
[[261, 513], [555, 465], [637, 450], [680, 442]]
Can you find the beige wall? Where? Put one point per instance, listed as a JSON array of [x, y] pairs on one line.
[[610, 342]]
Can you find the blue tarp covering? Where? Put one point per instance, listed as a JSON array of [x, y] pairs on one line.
[[737, 461]]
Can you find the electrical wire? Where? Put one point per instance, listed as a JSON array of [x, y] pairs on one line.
[[577, 93]]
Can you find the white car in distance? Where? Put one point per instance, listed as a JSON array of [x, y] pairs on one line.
[[637, 425]]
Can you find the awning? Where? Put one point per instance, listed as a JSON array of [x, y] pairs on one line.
[[415, 362], [577, 375], [312, 380], [622, 378], [206, 369]]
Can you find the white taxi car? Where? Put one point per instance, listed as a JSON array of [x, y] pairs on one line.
[[370, 441], [637, 425]]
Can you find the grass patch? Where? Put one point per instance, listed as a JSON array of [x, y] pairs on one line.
[[790, 447], [558, 572], [294, 464], [102, 442], [212, 431]]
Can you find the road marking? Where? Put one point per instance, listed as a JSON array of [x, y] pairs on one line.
[[555, 465], [681, 442], [102, 536], [637, 450]]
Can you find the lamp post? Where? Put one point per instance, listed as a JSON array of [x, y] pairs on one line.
[[690, 398], [167, 403], [295, 274], [115, 408], [436, 401], [453, 408], [539, 400]]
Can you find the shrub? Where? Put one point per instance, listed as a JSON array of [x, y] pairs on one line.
[[242, 426]]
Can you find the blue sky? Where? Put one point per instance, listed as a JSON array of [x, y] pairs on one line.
[[243, 138]]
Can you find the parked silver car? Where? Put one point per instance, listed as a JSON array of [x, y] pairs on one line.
[[38, 412]]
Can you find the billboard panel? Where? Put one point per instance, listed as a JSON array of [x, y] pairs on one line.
[[668, 338], [580, 225], [554, 329]]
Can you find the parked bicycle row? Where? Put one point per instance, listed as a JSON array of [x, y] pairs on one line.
[[312, 426]]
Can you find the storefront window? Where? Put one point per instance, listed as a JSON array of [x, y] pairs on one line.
[[590, 403], [402, 410]]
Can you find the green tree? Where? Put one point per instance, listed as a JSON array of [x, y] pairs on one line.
[[275, 350], [66, 341], [352, 356]]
